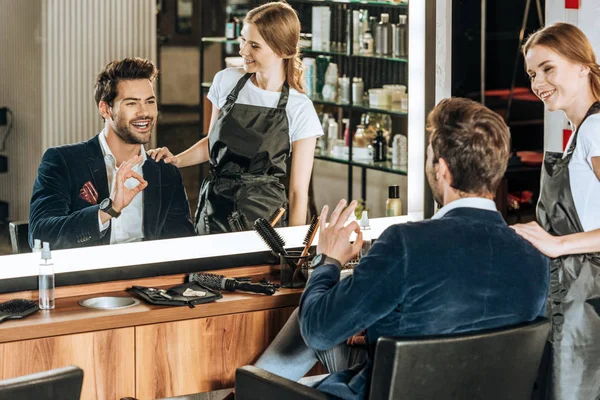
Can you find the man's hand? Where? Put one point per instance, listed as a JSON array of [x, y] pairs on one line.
[[334, 239], [357, 340], [122, 195], [552, 246]]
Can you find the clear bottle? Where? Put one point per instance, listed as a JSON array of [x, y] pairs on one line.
[[393, 205], [46, 279], [365, 229], [37, 246]]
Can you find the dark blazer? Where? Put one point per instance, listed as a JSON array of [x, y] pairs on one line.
[[466, 271], [58, 215]]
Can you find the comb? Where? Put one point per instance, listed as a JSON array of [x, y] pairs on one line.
[[17, 308], [238, 222], [276, 216]]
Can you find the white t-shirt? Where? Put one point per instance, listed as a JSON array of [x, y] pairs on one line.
[[302, 117], [585, 186]]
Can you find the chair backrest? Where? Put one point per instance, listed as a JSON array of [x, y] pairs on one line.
[[18, 237], [62, 383], [492, 365]]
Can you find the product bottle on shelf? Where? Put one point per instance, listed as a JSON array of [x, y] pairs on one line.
[[365, 229], [358, 88], [379, 147], [393, 205], [401, 37], [46, 279], [231, 27], [367, 48], [383, 36], [332, 136]]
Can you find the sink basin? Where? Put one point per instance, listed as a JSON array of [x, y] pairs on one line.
[[109, 303]]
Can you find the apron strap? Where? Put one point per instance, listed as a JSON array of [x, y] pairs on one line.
[[285, 91], [594, 109], [232, 97]]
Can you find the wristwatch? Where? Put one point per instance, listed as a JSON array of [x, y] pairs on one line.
[[322, 259], [106, 206]]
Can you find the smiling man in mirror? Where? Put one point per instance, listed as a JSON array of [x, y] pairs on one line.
[[105, 190]]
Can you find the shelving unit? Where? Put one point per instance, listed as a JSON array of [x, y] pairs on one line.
[[375, 71]]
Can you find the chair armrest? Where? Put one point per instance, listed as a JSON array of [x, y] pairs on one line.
[[253, 383]]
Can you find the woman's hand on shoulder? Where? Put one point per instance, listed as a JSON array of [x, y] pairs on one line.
[[552, 246], [161, 153]]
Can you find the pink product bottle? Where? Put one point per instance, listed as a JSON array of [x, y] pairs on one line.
[[346, 121]]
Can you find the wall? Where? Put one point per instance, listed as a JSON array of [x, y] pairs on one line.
[[52, 51], [586, 17], [20, 90]]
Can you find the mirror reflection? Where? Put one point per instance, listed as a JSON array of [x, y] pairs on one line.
[[132, 166]]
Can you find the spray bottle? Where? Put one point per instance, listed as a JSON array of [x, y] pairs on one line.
[[366, 233], [46, 279]]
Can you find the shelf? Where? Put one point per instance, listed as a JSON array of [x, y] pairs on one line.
[[385, 166], [319, 100], [307, 51], [351, 2], [207, 39]]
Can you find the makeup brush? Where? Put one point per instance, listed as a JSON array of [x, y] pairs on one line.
[[17, 308], [276, 216]]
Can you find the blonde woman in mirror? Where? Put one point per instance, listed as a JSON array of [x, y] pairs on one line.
[[260, 118], [565, 75]]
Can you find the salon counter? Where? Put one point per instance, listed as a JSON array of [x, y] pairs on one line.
[[146, 351]]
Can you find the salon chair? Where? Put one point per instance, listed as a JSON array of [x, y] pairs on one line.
[[496, 364], [18, 237], [62, 383]]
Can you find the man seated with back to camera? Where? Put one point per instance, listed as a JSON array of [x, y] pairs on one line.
[[463, 270], [106, 190]]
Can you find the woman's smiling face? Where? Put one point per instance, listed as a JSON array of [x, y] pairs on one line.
[[258, 56], [555, 80]]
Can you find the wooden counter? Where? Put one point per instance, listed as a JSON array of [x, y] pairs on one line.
[[146, 351]]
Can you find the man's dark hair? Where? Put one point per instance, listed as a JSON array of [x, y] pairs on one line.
[[126, 69], [473, 140]]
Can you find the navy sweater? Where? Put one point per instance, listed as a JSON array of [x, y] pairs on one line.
[[466, 271]]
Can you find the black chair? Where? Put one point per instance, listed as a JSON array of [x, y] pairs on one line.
[[18, 237], [489, 365], [62, 383]]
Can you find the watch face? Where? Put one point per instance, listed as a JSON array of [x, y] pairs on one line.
[[318, 260], [105, 204]]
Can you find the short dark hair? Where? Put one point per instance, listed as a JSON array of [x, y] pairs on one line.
[[125, 69], [473, 140]]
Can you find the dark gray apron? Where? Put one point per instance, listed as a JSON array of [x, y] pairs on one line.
[[574, 288], [249, 146]]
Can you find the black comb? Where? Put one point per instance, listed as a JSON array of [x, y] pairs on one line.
[[238, 222], [311, 229], [270, 236], [17, 308]]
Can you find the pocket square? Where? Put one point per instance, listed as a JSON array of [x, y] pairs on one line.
[[88, 193]]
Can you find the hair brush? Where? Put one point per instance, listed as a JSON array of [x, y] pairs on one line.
[[17, 308], [270, 236], [273, 219], [238, 222]]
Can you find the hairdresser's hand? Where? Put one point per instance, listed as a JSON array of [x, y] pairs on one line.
[[552, 246], [163, 153], [334, 239], [124, 193]]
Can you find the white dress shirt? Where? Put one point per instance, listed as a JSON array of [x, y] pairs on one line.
[[129, 226], [470, 202]]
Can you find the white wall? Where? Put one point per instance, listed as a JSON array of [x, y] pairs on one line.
[[20, 90], [587, 18], [51, 52]]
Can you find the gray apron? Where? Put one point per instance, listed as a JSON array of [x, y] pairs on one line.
[[248, 146], [574, 288]]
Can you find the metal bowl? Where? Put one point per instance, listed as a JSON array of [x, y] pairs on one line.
[[109, 303]]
